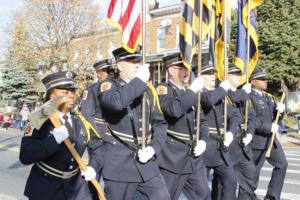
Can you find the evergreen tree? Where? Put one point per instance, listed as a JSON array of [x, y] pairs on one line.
[[17, 84], [279, 31]]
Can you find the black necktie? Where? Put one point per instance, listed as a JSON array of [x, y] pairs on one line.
[[265, 97], [68, 126]]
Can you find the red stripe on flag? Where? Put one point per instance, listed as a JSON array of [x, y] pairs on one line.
[[127, 14], [111, 8], [135, 31]]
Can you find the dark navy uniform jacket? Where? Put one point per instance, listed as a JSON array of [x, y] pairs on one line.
[[265, 114], [41, 146], [120, 162], [239, 99], [212, 103], [90, 107], [178, 106]]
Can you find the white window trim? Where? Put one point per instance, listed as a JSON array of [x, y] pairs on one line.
[[157, 39]]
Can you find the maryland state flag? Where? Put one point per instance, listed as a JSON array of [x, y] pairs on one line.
[[125, 16], [241, 45], [216, 34], [189, 28]]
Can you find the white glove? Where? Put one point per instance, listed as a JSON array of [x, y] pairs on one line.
[[274, 128], [199, 148], [89, 174], [280, 107], [228, 138], [143, 72], [225, 85], [197, 85], [246, 140], [247, 88], [60, 134], [146, 154]]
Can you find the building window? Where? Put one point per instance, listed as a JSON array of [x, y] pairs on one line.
[[161, 38]]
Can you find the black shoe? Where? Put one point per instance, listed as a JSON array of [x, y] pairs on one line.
[[268, 197]]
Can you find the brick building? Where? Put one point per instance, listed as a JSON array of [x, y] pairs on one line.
[[162, 37]]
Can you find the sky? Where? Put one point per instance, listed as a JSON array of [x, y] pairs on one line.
[[9, 7]]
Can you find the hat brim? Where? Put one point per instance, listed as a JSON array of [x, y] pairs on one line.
[[179, 64], [132, 59], [261, 79], [105, 68], [68, 87]]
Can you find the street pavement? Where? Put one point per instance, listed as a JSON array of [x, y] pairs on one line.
[[13, 174]]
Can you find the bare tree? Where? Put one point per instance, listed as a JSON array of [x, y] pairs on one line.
[[45, 28]]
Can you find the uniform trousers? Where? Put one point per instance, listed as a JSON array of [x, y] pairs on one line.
[[228, 182], [194, 185], [278, 160], [153, 189], [245, 171]]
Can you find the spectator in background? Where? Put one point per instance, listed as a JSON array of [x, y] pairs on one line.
[[7, 121], [16, 119], [24, 116], [2, 122], [1, 118]]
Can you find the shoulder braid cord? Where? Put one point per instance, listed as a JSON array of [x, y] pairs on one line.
[[271, 96], [88, 126], [229, 100], [155, 97]]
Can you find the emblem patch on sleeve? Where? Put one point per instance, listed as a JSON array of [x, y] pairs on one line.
[[161, 90], [105, 86], [85, 94]]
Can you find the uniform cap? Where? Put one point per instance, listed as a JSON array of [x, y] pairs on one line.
[[172, 60], [61, 79], [121, 54], [233, 69], [103, 64], [259, 74], [207, 65]]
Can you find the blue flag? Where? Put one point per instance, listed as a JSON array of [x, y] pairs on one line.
[[241, 45]]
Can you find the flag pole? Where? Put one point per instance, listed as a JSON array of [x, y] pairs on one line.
[[197, 137], [143, 14], [225, 62], [247, 64]]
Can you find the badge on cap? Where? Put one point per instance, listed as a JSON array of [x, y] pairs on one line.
[[138, 49], [69, 75]]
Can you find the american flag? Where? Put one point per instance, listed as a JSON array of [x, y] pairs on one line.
[[125, 16]]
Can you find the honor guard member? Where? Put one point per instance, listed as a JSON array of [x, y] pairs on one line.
[[129, 169], [180, 160], [90, 107], [266, 109], [216, 156], [55, 174], [240, 149]]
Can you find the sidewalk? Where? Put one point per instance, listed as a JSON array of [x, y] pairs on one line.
[[289, 142]]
